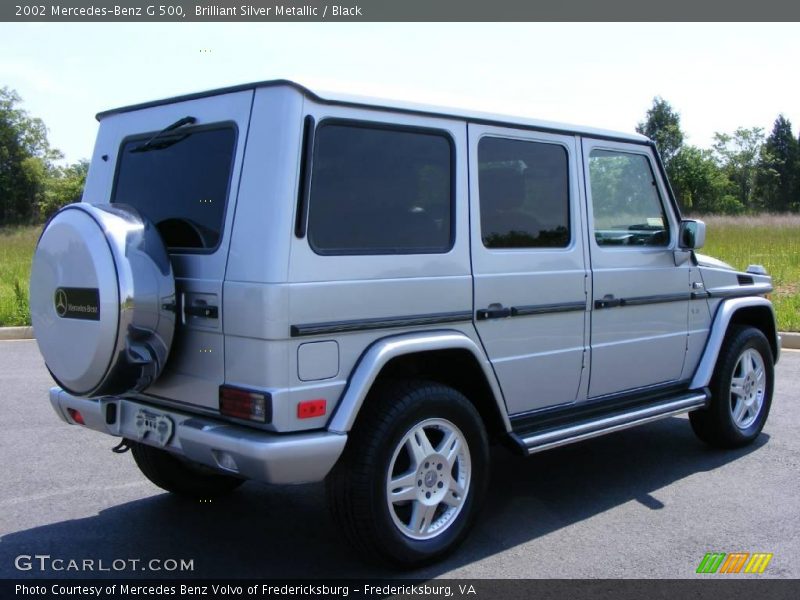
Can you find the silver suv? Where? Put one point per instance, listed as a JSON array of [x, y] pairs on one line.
[[267, 283]]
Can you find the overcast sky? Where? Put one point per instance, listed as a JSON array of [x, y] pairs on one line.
[[718, 76]]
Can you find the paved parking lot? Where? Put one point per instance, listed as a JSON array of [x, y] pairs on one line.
[[647, 502]]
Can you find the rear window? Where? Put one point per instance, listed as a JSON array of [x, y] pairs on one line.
[[380, 191], [524, 194], [179, 182]]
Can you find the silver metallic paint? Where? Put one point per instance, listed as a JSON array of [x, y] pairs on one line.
[[727, 308], [539, 359], [388, 348], [270, 458], [113, 249]]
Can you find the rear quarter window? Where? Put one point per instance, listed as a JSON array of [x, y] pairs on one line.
[[380, 190]]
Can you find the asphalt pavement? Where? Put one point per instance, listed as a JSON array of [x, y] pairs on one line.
[[642, 503]]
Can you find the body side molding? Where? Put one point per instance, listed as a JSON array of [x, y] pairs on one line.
[[719, 327], [379, 323], [385, 349]]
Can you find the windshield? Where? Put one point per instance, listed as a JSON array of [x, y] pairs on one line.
[[180, 183]]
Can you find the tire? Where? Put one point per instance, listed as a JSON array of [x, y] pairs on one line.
[[179, 477], [741, 391], [434, 506]]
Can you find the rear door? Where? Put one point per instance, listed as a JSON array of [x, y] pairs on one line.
[[185, 181], [640, 297], [529, 264]]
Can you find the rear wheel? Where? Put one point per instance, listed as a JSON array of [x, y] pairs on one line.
[[741, 391], [413, 474], [180, 477]]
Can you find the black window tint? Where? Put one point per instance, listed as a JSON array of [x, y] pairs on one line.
[[524, 194], [379, 191], [625, 200], [180, 183]]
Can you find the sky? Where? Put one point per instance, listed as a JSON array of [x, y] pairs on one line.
[[717, 76]]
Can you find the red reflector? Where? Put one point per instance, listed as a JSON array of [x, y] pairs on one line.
[[243, 404], [311, 408], [76, 416]]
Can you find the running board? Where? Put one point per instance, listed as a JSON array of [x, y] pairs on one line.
[[583, 430]]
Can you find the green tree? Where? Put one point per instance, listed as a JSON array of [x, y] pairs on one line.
[[738, 156], [25, 160], [700, 185], [662, 124], [64, 186], [777, 180]]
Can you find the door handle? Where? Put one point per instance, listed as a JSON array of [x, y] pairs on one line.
[[608, 301], [202, 310], [493, 311]]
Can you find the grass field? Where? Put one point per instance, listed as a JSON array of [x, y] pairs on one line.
[[769, 240], [16, 250]]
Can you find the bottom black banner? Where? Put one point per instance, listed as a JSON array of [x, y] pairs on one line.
[[434, 589]]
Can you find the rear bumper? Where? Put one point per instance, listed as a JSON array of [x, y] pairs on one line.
[[248, 453]]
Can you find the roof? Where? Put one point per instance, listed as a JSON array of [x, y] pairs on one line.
[[396, 105]]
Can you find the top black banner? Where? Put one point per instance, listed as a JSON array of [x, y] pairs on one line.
[[396, 10]]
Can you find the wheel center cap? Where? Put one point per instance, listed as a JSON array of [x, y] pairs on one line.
[[430, 478]]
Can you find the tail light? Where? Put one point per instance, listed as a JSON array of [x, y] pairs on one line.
[[245, 404]]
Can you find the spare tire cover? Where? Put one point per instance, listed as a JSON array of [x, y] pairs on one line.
[[102, 299]]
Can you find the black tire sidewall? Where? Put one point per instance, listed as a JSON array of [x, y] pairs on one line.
[[433, 401], [741, 340]]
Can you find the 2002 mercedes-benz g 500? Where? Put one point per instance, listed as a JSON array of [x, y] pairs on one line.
[[266, 283]]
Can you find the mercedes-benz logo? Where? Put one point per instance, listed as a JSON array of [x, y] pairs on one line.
[[61, 302]]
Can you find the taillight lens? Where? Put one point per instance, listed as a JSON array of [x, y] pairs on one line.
[[245, 404]]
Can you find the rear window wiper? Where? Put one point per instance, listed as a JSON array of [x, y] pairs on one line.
[[149, 144]]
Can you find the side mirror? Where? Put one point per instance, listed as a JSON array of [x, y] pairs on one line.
[[692, 234]]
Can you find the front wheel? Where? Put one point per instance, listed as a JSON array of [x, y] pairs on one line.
[[413, 474], [741, 391]]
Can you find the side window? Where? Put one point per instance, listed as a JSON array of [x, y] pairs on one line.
[[524, 194], [625, 199], [380, 191]]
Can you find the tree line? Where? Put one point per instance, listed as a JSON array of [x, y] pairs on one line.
[[743, 172], [33, 185]]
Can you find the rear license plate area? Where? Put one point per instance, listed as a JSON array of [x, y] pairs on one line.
[[153, 426]]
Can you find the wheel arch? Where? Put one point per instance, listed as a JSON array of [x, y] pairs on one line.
[[754, 311], [448, 357]]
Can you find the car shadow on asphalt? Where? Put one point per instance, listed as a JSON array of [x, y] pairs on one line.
[[285, 531]]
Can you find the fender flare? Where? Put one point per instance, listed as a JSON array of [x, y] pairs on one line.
[[719, 327], [384, 350]]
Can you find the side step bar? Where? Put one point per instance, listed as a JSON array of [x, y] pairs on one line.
[[583, 430]]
